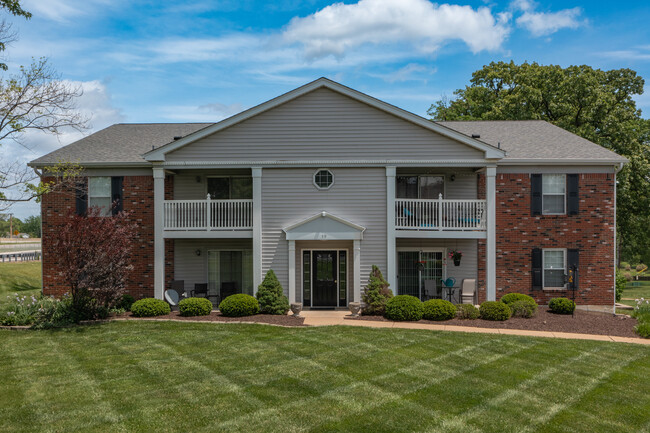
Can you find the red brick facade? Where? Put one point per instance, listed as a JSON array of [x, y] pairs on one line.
[[518, 232]]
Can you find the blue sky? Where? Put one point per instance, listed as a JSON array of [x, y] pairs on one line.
[[175, 61]]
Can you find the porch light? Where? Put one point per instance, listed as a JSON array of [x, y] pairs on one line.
[[197, 252]]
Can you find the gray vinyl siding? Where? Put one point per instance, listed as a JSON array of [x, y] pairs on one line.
[[289, 196], [325, 245], [194, 269], [324, 125], [469, 263]]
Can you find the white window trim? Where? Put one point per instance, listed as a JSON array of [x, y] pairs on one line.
[[311, 273], [105, 211], [564, 250], [320, 188], [564, 194]]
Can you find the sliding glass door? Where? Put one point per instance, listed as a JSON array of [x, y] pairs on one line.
[[414, 268], [230, 272]]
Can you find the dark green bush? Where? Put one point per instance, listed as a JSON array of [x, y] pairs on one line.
[[466, 311], [438, 309], [239, 305], [150, 307], [270, 296], [561, 306], [513, 297], [125, 302], [404, 307], [621, 283], [491, 310], [523, 308], [195, 307], [376, 294]]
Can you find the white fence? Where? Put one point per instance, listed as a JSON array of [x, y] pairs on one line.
[[208, 215], [441, 214]]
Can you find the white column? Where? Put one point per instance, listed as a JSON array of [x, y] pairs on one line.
[[292, 271], [256, 173], [491, 250], [391, 255], [159, 241], [357, 270]]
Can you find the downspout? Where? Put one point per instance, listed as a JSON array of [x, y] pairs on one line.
[[616, 170], [40, 176]]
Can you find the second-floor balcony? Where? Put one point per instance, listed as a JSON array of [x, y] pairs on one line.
[[208, 215], [441, 214]]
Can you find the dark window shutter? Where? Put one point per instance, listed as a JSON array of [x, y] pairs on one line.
[[81, 195], [573, 199], [573, 259], [536, 194], [537, 269], [116, 193]]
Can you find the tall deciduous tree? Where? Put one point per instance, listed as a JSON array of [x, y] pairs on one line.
[[595, 104]]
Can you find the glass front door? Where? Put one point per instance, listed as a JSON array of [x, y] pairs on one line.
[[325, 293], [414, 268]]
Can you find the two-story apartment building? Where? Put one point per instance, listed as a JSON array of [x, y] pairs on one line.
[[323, 182]]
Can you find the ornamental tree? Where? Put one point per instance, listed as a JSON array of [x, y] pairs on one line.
[[376, 294]]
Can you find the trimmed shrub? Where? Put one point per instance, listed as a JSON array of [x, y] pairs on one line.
[[639, 268], [195, 307], [438, 309], [627, 276], [270, 296], [239, 305], [626, 266], [561, 306], [466, 311], [492, 310], [526, 309], [376, 294], [150, 307], [125, 302], [513, 297], [404, 307]]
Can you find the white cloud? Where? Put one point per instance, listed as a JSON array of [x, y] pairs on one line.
[[63, 10], [410, 72], [546, 23], [338, 28]]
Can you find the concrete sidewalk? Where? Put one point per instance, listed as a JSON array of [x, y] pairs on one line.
[[330, 318]]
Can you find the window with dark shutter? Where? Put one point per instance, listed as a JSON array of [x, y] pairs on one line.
[[537, 269], [116, 193], [536, 194], [573, 199], [81, 199], [573, 259]]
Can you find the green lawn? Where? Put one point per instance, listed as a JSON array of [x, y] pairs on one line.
[[165, 376], [19, 277]]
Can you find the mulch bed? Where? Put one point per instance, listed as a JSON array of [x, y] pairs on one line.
[[584, 322], [217, 317]]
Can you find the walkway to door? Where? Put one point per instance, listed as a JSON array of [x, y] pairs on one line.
[[330, 318]]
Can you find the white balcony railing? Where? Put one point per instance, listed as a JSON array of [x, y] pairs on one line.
[[208, 214], [441, 214]]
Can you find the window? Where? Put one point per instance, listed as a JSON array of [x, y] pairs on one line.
[[323, 179], [427, 187], [230, 188], [230, 272], [99, 193], [554, 268], [553, 193]]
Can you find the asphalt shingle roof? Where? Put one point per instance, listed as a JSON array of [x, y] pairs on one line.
[[522, 139], [533, 139]]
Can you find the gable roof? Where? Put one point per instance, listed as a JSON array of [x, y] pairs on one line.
[[120, 144], [533, 141], [324, 226], [491, 151]]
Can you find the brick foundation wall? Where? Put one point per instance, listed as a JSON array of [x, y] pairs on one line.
[[137, 198], [518, 232]]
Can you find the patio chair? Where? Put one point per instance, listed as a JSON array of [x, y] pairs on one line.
[[430, 290], [179, 286], [468, 291], [172, 297], [200, 289], [228, 288]]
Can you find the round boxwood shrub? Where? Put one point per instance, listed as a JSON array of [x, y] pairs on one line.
[[150, 307], [239, 305], [522, 308], [561, 306], [466, 311], [195, 307], [438, 309], [404, 307], [513, 297], [492, 310]]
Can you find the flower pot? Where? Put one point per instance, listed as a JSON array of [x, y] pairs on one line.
[[456, 262], [296, 308], [354, 307]]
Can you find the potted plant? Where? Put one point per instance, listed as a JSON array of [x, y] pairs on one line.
[[456, 255]]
